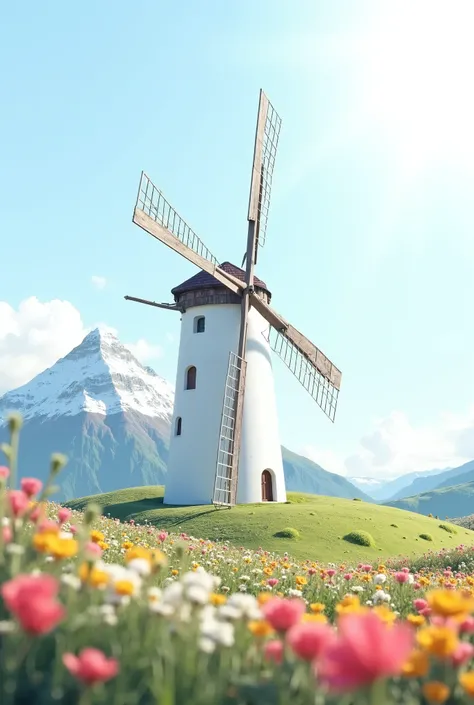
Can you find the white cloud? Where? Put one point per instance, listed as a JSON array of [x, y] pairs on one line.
[[99, 282], [36, 334], [395, 447], [144, 351]]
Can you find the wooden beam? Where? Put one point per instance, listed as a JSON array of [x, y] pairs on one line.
[[300, 341], [167, 307], [152, 227]]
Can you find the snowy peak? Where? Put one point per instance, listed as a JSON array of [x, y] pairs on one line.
[[98, 376]]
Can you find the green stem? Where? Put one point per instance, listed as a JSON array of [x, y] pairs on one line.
[[378, 693]]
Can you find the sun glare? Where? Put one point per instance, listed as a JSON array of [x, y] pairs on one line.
[[416, 79]]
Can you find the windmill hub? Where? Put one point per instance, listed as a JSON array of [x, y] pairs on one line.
[[225, 447]]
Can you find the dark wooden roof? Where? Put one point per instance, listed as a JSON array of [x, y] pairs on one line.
[[203, 280]]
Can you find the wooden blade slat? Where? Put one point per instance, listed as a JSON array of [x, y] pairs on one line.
[[158, 218]]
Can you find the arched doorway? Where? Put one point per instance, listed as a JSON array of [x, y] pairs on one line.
[[267, 486]]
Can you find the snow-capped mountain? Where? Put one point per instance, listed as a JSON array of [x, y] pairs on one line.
[[99, 376], [99, 406], [112, 417]]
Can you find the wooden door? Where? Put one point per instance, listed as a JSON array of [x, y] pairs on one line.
[[267, 487]]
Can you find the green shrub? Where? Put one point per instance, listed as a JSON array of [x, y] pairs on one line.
[[361, 538], [395, 526], [287, 533], [448, 528], [426, 537], [357, 499]]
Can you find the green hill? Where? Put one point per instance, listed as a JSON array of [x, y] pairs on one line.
[[454, 501], [321, 523]]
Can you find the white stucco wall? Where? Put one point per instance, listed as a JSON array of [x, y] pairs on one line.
[[192, 455]]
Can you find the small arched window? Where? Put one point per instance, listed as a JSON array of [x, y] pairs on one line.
[[199, 324], [191, 378], [178, 426]]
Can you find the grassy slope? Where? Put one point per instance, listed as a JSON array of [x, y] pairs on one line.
[[321, 521], [455, 501]]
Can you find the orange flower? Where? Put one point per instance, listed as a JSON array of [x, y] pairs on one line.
[[417, 665], [435, 692], [317, 607], [467, 682], [417, 620], [450, 603], [438, 641], [216, 599], [260, 628]]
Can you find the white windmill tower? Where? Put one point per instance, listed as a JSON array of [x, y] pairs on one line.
[[225, 446]]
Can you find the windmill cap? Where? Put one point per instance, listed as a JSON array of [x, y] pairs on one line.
[[203, 280]]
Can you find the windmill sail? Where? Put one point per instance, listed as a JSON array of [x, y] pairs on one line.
[[266, 145], [318, 375], [157, 217]]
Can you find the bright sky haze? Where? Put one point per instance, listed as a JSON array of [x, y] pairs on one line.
[[370, 247]]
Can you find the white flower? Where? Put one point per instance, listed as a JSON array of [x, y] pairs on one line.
[[380, 596], [7, 627], [71, 581], [380, 579], [240, 605], [15, 549], [357, 589], [140, 566]]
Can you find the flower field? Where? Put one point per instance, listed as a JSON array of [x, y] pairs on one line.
[[97, 611]]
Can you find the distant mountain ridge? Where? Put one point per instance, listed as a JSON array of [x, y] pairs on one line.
[[450, 502], [112, 417]]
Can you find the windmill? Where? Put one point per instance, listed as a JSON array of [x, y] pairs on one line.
[[204, 468]]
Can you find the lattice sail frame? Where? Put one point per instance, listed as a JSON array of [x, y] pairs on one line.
[[270, 145], [152, 202], [225, 489], [324, 393]]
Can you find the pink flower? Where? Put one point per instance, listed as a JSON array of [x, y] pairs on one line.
[[32, 600], [331, 572], [467, 625], [402, 576], [273, 651], [91, 666], [283, 613], [308, 639], [348, 576], [18, 501], [4, 472], [364, 650], [162, 536], [93, 550], [31, 486], [272, 582], [63, 515], [420, 604], [7, 534], [464, 652]]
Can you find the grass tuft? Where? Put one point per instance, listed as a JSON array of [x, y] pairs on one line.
[[426, 537], [360, 538], [287, 533]]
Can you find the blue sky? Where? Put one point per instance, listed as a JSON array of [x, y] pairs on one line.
[[369, 250]]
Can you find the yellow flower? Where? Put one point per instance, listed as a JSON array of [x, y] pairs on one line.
[[97, 536], [94, 576], [264, 597], [417, 665], [349, 604], [450, 603], [435, 692], [318, 618], [417, 620], [127, 544], [103, 545], [467, 682], [317, 607], [385, 614], [43, 541], [63, 548], [438, 641], [216, 599], [124, 587], [175, 572], [300, 580], [260, 628]]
